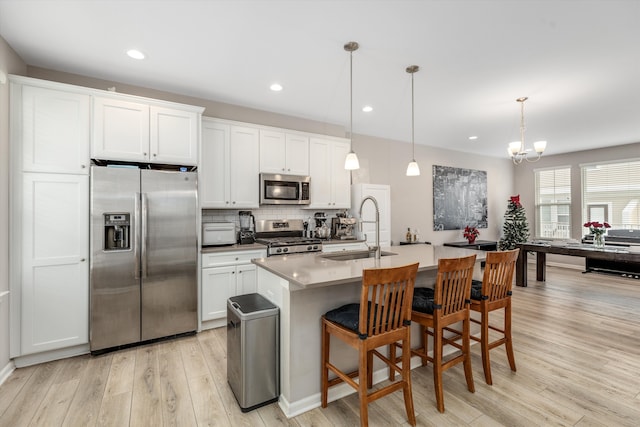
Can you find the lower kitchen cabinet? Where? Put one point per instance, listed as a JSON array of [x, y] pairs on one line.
[[51, 279], [226, 274]]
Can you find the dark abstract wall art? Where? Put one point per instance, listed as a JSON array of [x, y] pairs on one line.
[[459, 198]]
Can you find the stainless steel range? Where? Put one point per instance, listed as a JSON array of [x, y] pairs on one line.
[[284, 236]]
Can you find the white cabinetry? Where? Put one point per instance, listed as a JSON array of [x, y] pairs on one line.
[[382, 194], [284, 153], [329, 179], [229, 168], [130, 129], [49, 219], [226, 274], [53, 127], [55, 267]]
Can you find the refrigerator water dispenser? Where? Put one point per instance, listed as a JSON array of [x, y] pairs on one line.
[[116, 231]]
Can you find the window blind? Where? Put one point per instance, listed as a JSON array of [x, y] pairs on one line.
[[611, 193], [553, 203]]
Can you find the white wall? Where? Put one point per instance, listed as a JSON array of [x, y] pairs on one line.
[[385, 162], [10, 63], [525, 185]]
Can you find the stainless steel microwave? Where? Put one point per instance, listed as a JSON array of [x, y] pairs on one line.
[[277, 189]]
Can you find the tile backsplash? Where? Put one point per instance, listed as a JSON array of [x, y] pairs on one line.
[[213, 215]]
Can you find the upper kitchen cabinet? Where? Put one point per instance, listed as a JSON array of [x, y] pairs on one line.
[[284, 153], [330, 183], [50, 128], [130, 129], [229, 166]]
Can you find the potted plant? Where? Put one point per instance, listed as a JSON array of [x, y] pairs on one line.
[[470, 233]]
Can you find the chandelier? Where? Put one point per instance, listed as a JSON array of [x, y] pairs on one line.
[[516, 149]]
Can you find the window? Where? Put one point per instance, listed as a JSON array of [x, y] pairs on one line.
[[611, 193], [553, 203]]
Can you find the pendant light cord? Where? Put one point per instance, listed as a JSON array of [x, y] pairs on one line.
[[413, 144], [351, 97]]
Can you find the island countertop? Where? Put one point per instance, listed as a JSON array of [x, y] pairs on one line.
[[304, 271]]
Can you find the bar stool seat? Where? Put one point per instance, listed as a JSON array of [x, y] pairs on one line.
[[382, 317], [494, 293], [439, 308]]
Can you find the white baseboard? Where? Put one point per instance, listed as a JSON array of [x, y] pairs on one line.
[[6, 371], [48, 356], [211, 324], [292, 409]]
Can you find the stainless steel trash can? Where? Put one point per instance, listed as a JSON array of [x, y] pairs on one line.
[[253, 350]]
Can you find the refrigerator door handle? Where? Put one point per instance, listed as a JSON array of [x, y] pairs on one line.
[[136, 234], [143, 233]]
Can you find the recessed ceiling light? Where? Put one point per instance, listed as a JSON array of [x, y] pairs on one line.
[[367, 108], [276, 87], [473, 137], [135, 54]]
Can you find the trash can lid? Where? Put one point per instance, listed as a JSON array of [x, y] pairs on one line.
[[250, 303]]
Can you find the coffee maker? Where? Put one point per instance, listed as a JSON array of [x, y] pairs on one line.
[[247, 228], [342, 227]]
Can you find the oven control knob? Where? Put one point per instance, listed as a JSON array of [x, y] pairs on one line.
[[315, 247], [285, 250], [278, 250], [309, 248]]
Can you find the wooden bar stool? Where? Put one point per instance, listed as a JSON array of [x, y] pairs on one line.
[[435, 310], [383, 317], [494, 293]]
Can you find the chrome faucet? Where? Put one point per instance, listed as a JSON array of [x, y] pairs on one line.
[[377, 222]]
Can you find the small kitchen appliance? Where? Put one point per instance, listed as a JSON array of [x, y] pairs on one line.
[[342, 227], [218, 233], [246, 234], [322, 229], [278, 189], [285, 237]]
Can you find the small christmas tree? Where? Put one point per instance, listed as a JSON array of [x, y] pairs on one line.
[[515, 229]]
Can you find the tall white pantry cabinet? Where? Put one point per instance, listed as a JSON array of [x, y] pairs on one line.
[[49, 233], [54, 130]]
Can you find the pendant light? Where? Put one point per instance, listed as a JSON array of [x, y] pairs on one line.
[[351, 162], [516, 149], [413, 169]]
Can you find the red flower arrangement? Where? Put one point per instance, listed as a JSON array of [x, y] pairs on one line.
[[470, 233], [596, 228]]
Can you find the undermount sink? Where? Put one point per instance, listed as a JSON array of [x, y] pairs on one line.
[[351, 255]]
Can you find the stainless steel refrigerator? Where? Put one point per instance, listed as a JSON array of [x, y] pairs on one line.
[[144, 255]]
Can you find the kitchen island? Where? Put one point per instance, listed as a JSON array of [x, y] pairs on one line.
[[305, 287]]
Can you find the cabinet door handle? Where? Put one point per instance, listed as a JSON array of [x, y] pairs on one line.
[[82, 259], [144, 154], [155, 155], [83, 166]]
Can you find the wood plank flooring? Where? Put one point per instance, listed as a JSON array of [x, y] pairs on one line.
[[577, 345]]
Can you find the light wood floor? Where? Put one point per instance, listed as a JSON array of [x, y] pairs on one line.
[[577, 344]]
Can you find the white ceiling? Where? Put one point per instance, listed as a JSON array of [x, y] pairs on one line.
[[577, 61]]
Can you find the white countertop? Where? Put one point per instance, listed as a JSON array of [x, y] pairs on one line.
[[304, 271]]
